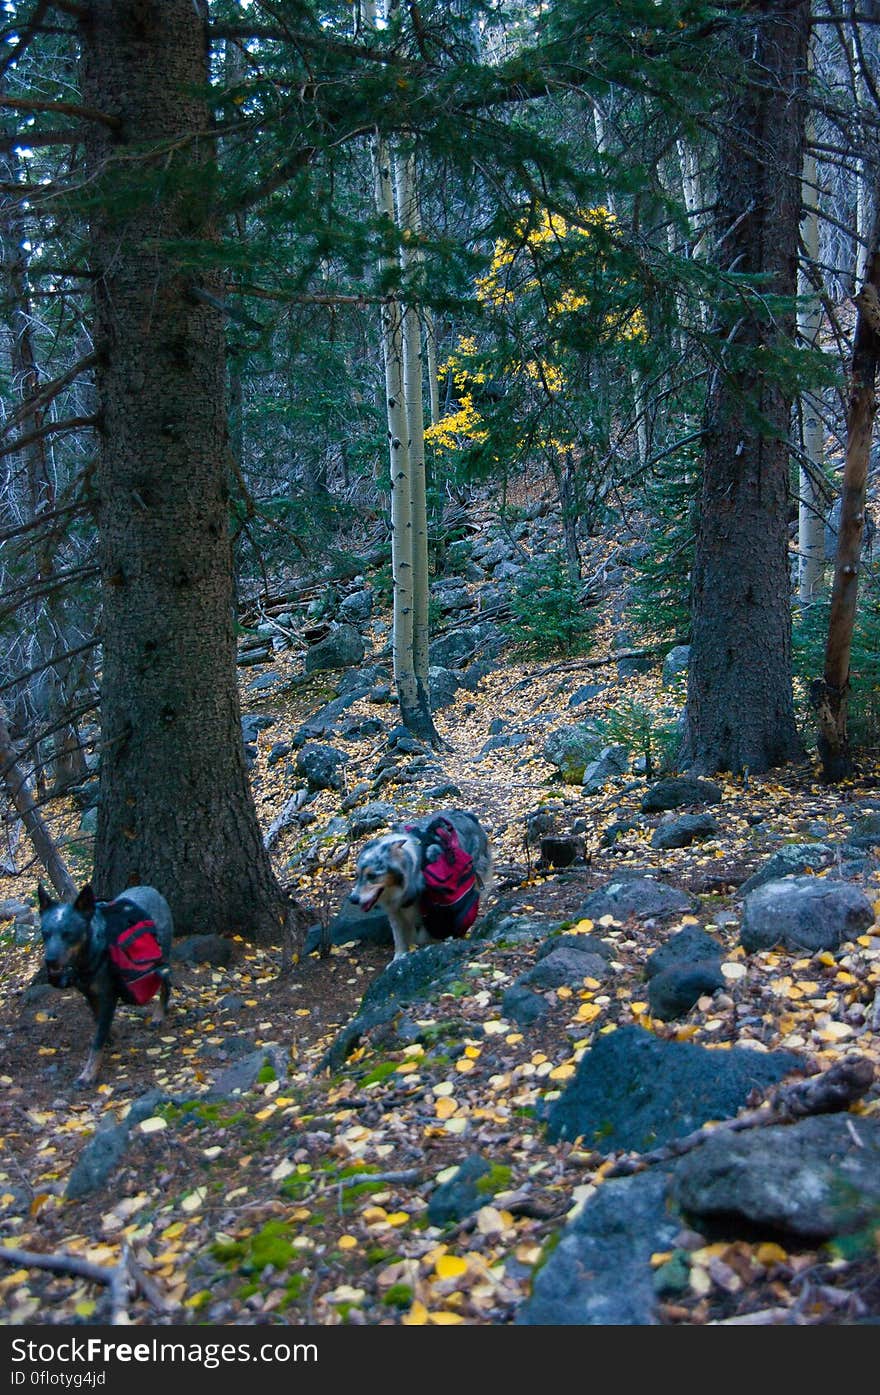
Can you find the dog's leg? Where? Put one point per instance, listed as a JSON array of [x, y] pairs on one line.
[[160, 1004], [103, 1008], [399, 931]]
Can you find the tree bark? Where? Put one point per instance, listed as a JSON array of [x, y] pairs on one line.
[[830, 694], [176, 809], [811, 519], [740, 708], [15, 783]]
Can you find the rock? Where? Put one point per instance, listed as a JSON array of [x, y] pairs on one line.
[[611, 762], [342, 648], [13, 908], [361, 680], [458, 554], [675, 664], [522, 1006], [89, 821], [321, 766], [456, 649], [377, 814], [787, 862], [832, 524], [202, 949], [448, 790], [265, 680], [614, 830], [442, 686], [638, 896], [450, 595], [101, 1156], [86, 795], [564, 966], [690, 945], [634, 1091], [681, 832], [572, 748], [278, 752], [460, 1196], [505, 741], [351, 925], [475, 673], [804, 913], [422, 974], [500, 926], [323, 722], [677, 791], [591, 946], [237, 1079], [357, 607], [561, 852], [673, 992], [585, 694], [600, 1272], [813, 1179]]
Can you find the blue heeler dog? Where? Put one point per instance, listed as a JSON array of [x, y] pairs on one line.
[[108, 950], [427, 875]]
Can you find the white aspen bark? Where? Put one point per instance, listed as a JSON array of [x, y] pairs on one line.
[[865, 192], [399, 464], [634, 377], [431, 363], [692, 195], [409, 219], [811, 523]]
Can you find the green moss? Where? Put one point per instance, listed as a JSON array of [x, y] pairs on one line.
[[267, 1074], [546, 1251], [497, 1179], [293, 1290], [380, 1072], [378, 1255], [398, 1296], [270, 1246]]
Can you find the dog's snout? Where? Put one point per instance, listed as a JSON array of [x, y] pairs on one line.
[[354, 897]]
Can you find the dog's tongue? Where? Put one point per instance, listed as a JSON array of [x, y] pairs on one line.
[[368, 905]]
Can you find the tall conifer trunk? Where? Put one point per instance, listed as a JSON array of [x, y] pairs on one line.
[[740, 709], [176, 808]]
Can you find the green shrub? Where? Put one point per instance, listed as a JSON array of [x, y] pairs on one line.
[[632, 723], [549, 614]]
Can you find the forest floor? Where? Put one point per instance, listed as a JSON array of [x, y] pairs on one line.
[[302, 1200]]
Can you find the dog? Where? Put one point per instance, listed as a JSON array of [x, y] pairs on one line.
[[81, 943], [428, 875]]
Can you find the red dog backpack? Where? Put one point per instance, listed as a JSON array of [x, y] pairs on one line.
[[134, 951], [451, 899]]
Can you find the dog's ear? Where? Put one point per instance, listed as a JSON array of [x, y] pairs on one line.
[[43, 897], [85, 902]]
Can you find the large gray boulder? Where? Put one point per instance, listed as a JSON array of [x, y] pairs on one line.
[[342, 648], [804, 913], [675, 664], [634, 1091], [788, 862], [321, 766], [572, 748], [686, 829], [643, 898], [600, 1275], [816, 1178], [679, 791], [611, 762]]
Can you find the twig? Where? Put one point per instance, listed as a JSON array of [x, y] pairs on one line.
[[833, 1090], [121, 1279]]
